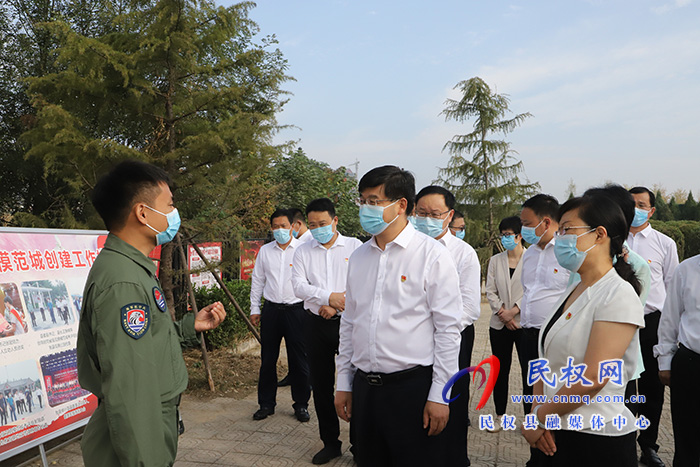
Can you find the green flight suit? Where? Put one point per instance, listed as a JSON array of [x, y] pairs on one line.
[[130, 357]]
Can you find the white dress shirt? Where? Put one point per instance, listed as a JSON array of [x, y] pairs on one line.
[[660, 252], [272, 275], [680, 318], [306, 236], [402, 310], [611, 299], [544, 280], [469, 271], [318, 271], [502, 289]]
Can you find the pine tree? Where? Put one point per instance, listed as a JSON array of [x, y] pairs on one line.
[[490, 177]]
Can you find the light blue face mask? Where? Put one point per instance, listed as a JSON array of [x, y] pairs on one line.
[[295, 233], [508, 242], [323, 234], [568, 255], [429, 226], [412, 220], [372, 218], [168, 234], [529, 234], [282, 236], [460, 234], [640, 217]]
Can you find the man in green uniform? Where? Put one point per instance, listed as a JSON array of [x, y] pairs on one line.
[[129, 352]]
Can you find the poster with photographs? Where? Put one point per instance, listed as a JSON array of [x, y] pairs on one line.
[[42, 276]]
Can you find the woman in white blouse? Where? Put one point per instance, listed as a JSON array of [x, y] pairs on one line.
[[504, 290], [594, 326]]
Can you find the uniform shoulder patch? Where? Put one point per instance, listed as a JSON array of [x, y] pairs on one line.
[[136, 319], [159, 298]]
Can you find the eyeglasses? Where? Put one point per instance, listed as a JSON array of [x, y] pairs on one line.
[[432, 215], [564, 230], [458, 229], [371, 202]]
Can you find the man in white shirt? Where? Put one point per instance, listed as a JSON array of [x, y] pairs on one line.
[[662, 255], [299, 229], [434, 214], [318, 277], [678, 354], [544, 281], [281, 316], [399, 334]]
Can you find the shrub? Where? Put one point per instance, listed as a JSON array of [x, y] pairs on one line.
[[233, 328]]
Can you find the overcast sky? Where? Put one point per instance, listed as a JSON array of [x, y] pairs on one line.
[[614, 86]]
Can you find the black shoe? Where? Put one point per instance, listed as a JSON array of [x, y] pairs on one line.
[[263, 413], [651, 458], [325, 455], [302, 414], [283, 382]]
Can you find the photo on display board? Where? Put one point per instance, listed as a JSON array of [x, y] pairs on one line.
[[20, 392], [60, 372], [49, 304], [13, 319]]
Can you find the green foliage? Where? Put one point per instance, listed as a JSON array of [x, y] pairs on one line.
[[233, 328], [672, 230], [482, 173], [663, 212], [302, 179]]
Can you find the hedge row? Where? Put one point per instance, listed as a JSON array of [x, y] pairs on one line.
[[233, 328], [686, 234]]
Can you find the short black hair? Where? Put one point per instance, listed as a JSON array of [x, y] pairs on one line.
[[543, 206], [457, 215], [281, 212], [642, 189], [398, 183], [321, 205], [620, 195], [438, 190], [297, 215], [513, 223], [127, 183]]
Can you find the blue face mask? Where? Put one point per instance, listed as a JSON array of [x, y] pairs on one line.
[[412, 220], [168, 234], [282, 236], [372, 218], [429, 226], [568, 255], [640, 217], [529, 234], [295, 233], [508, 242], [460, 234], [323, 234]]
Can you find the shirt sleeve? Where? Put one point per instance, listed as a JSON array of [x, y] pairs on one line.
[[622, 306], [129, 371], [185, 331], [669, 323], [300, 282], [345, 368], [670, 262], [257, 283], [470, 286], [446, 311], [491, 290]]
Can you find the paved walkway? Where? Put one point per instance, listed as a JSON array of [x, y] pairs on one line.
[[221, 432]]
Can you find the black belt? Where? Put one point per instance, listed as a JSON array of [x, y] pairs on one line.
[[314, 315], [694, 353], [285, 305], [380, 379]]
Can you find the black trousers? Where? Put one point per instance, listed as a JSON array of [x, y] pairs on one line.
[[502, 341], [322, 336], [584, 449], [276, 322], [685, 407], [528, 344], [388, 422], [457, 427], [649, 384]]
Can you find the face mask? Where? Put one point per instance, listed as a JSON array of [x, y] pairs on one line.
[[412, 220], [640, 217], [372, 218], [282, 236], [295, 233], [460, 234], [168, 234], [568, 255], [429, 226], [323, 234], [508, 242], [529, 234]]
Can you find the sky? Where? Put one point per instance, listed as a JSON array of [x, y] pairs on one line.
[[613, 86]]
